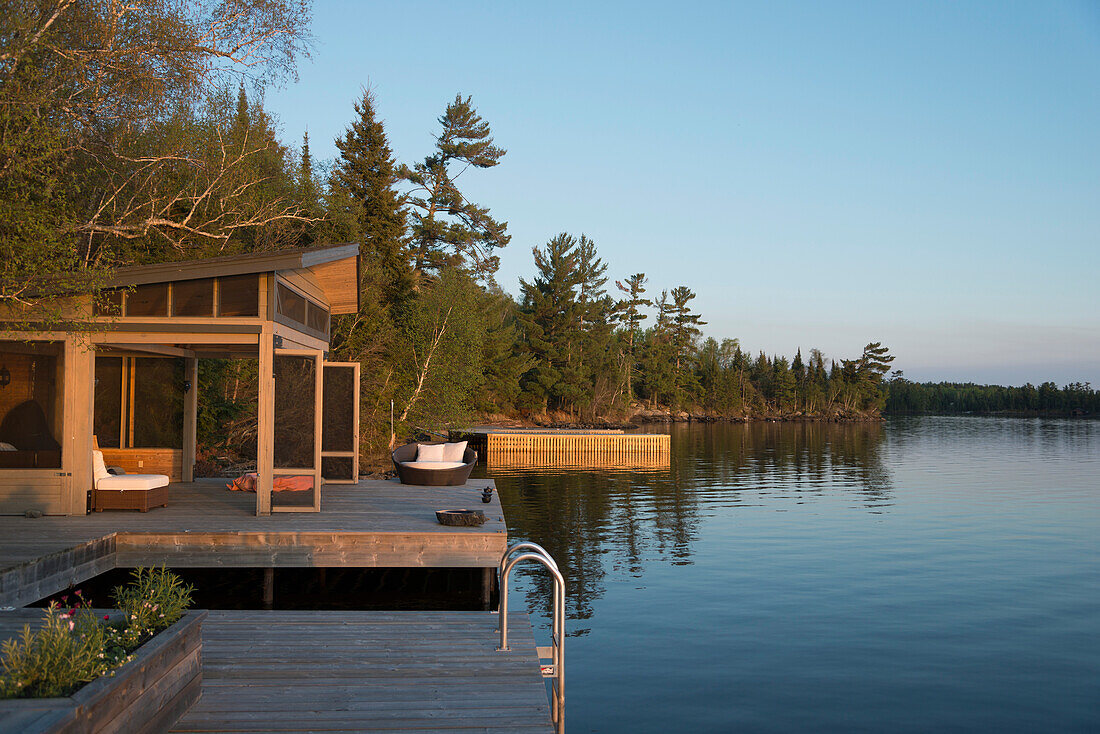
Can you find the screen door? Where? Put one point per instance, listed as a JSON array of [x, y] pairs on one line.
[[297, 444], [340, 423]]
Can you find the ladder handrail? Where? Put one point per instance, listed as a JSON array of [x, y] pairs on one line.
[[557, 637], [523, 545]]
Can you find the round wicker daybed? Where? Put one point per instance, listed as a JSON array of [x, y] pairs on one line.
[[455, 477]]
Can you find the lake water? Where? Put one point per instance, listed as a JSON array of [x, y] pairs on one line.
[[929, 574]]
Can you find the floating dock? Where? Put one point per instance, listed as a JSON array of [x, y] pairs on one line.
[[507, 447]]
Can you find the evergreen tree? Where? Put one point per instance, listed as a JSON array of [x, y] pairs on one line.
[[551, 317], [448, 229], [630, 315], [364, 182], [309, 194]]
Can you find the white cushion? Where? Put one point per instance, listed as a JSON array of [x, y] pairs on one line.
[[131, 482], [432, 464], [429, 452], [454, 451], [99, 470], [5, 446]]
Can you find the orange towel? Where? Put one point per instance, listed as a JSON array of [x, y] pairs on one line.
[[247, 483]]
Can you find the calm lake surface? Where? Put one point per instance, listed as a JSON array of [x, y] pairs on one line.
[[926, 574]]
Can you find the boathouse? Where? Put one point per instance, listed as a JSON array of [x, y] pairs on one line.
[[126, 373]]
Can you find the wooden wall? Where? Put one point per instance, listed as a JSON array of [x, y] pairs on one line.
[[153, 461]]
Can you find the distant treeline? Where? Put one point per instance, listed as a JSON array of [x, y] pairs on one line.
[[905, 397]]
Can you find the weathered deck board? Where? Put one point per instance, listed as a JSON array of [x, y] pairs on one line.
[[367, 672], [369, 524]]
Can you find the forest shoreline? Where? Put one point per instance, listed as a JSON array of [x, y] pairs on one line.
[[645, 417]]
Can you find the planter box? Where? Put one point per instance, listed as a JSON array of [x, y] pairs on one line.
[[148, 694]]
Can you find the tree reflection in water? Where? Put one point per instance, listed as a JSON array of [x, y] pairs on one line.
[[593, 520]]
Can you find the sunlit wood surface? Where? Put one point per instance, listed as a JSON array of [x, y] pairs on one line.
[[280, 671], [369, 524]]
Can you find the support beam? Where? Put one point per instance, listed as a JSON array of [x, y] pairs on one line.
[[190, 418], [159, 349], [76, 448], [265, 424]]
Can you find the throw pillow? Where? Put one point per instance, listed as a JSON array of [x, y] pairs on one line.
[[454, 451], [429, 452]]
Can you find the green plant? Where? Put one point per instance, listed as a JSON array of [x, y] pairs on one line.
[[155, 599], [66, 652]]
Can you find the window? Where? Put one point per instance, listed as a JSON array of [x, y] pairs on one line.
[[316, 317], [30, 408], [239, 295], [109, 302], [292, 305], [148, 300], [193, 297]]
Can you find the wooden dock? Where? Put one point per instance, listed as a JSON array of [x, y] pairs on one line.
[[283, 671], [333, 671], [372, 524]]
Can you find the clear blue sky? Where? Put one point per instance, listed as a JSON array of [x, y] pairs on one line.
[[821, 174]]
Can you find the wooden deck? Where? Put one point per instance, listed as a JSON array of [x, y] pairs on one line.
[[283, 671], [370, 524]]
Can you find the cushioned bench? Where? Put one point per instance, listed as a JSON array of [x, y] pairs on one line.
[[126, 491]]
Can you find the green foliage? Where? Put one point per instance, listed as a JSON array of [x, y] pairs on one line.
[[59, 657], [447, 229], [364, 197], [947, 398], [437, 353], [114, 145], [155, 599]]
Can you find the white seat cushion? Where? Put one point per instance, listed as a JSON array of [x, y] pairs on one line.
[[132, 482], [432, 464], [99, 471]]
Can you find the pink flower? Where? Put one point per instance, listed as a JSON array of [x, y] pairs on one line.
[[106, 616], [64, 597], [77, 592]]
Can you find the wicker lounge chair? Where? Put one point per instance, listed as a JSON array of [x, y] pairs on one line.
[[126, 492], [449, 477]]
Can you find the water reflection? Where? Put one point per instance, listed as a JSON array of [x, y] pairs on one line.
[[609, 521]]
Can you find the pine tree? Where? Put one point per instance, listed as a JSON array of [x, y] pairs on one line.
[[630, 315], [364, 182], [309, 192], [447, 229], [551, 318]]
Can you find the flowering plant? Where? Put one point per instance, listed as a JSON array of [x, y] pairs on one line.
[[74, 645]]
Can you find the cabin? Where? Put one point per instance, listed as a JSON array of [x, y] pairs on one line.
[[126, 378]]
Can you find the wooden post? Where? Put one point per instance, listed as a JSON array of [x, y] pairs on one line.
[[190, 417], [265, 423], [487, 575], [76, 450], [318, 410], [269, 588]]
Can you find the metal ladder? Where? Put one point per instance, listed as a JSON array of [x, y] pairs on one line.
[[551, 659]]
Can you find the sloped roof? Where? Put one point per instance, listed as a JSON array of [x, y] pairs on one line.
[[336, 268]]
